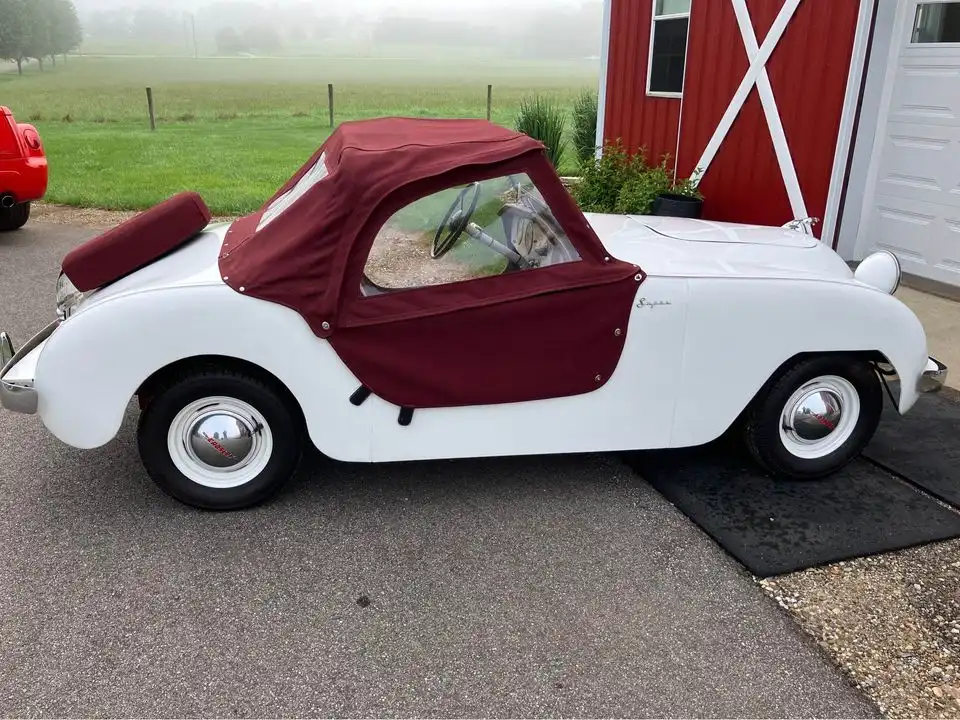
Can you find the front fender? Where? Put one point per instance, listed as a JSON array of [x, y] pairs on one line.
[[740, 332], [92, 366]]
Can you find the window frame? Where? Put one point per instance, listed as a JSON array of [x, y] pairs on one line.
[[535, 185], [912, 27], [654, 19]]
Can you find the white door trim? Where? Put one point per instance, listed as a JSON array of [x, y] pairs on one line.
[[757, 75], [604, 69], [889, 81], [848, 119]]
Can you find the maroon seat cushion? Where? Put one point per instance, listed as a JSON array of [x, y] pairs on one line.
[[136, 242]]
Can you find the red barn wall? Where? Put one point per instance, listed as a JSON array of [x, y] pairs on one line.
[[808, 73], [630, 115]]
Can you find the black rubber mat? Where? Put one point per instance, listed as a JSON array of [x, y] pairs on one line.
[[775, 527], [924, 444]]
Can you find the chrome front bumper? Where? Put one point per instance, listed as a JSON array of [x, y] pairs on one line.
[[933, 378], [19, 394]]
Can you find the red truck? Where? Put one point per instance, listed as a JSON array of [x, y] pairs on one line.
[[23, 170]]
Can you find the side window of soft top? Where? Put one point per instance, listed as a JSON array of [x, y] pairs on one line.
[[310, 178], [481, 229]]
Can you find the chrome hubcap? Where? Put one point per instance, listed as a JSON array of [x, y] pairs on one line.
[[817, 415], [820, 417], [220, 442]]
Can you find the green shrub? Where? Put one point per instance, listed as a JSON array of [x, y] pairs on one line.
[[621, 183], [638, 193], [585, 125], [601, 179], [545, 121]]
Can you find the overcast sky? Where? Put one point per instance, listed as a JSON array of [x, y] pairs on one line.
[[357, 5]]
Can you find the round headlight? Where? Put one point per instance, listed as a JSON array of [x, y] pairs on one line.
[[880, 270], [68, 296]]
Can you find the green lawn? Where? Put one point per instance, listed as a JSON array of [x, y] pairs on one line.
[[234, 129]]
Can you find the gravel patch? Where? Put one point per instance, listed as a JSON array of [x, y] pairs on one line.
[[401, 260], [891, 622], [85, 217]]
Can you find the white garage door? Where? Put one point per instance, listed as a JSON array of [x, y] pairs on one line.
[[915, 210]]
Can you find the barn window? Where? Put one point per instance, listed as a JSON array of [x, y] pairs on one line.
[[937, 22], [668, 47]]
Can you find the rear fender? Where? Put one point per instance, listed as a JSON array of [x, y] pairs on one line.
[[97, 360]]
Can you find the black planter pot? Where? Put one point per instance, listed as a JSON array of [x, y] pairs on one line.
[[677, 206]]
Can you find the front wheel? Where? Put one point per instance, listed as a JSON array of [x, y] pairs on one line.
[[815, 418], [14, 218], [219, 440]]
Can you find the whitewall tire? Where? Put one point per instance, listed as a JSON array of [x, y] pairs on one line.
[[219, 439], [815, 417]]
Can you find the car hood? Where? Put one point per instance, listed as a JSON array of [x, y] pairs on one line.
[[193, 263], [681, 247]]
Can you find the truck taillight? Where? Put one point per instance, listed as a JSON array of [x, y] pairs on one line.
[[32, 139]]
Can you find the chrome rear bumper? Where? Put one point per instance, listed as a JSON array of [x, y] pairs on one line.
[[19, 394], [933, 377]]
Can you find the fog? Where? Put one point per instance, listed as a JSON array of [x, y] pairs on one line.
[[531, 28]]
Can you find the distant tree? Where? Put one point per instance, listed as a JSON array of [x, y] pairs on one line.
[[155, 25], [229, 41], [65, 31], [36, 40], [13, 13], [264, 38], [111, 25]]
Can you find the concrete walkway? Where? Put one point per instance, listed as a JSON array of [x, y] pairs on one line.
[[941, 320]]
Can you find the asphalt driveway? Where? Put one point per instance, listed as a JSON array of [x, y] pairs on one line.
[[559, 586]]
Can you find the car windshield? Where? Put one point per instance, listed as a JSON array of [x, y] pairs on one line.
[[481, 229]]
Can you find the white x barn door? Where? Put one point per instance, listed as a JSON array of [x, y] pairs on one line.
[[756, 75]]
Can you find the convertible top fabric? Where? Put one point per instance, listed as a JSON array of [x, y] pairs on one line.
[[456, 344], [136, 242]]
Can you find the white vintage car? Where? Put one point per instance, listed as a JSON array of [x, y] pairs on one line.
[[429, 289]]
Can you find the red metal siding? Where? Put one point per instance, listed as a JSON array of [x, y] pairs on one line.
[[631, 116], [808, 73]]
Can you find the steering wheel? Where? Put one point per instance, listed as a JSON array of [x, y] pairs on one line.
[[455, 221]]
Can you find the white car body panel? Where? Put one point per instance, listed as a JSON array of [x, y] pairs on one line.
[[719, 312]]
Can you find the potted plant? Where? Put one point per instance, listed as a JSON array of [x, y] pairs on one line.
[[682, 199]]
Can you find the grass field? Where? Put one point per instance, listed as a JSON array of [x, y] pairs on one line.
[[234, 129]]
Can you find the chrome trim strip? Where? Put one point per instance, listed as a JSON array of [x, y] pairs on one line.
[[29, 346], [20, 396], [6, 349]]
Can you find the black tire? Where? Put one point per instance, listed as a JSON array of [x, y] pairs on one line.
[[283, 424], [14, 218], [763, 420]]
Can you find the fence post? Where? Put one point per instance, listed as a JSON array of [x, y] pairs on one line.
[[489, 102], [330, 102], [153, 122]]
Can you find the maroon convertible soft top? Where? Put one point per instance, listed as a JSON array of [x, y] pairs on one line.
[[541, 333]]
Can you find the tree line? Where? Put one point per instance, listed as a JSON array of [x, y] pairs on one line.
[[38, 29], [231, 27]]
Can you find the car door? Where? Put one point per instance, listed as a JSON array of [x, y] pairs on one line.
[[462, 337]]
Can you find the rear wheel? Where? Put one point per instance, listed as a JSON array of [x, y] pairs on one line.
[[219, 440], [815, 418], [14, 218]]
